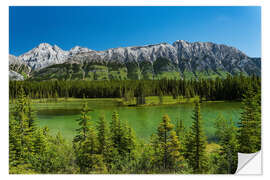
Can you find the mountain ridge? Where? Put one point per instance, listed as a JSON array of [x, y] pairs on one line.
[[180, 57]]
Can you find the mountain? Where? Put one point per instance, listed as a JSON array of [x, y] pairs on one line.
[[19, 66], [15, 76], [181, 59], [43, 56]]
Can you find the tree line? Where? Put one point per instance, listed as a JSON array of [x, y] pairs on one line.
[[111, 146], [230, 88]]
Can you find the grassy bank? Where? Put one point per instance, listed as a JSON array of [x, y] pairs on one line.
[[149, 101], [157, 100]]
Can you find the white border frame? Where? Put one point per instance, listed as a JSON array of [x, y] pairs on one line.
[[4, 36]]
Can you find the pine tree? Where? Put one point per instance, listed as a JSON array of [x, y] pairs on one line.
[[180, 129], [166, 148], [22, 127], [249, 134], [83, 122], [116, 131], [22, 132], [40, 142], [227, 138], [87, 151], [195, 144], [129, 142], [175, 158], [164, 129], [103, 134], [105, 143], [15, 147]]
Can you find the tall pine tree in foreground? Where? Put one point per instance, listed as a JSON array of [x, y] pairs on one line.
[[21, 131], [249, 135], [88, 157], [195, 144], [84, 123], [166, 146], [124, 144], [26, 142], [227, 138], [180, 131], [86, 146], [105, 142]]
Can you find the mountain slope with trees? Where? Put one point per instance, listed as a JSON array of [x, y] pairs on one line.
[[181, 59]]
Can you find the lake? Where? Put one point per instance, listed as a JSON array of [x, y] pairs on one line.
[[144, 120]]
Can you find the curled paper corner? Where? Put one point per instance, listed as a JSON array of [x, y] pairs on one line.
[[249, 164]]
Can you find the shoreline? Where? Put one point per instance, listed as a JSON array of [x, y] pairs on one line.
[[149, 101]]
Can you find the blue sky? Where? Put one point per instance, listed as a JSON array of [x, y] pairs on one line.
[[100, 28]]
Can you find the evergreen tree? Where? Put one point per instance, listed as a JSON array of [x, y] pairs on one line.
[[116, 131], [83, 122], [180, 129], [103, 134], [105, 143], [166, 146], [15, 147], [227, 138], [27, 142], [249, 134], [164, 129], [195, 144], [21, 129], [128, 140], [175, 158], [87, 155]]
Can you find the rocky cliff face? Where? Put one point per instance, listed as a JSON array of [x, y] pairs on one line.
[[208, 56], [18, 66], [15, 76], [181, 59], [43, 56]]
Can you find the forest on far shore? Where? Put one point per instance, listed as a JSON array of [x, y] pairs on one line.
[[230, 88]]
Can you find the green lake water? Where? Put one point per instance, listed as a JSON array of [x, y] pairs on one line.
[[144, 120]]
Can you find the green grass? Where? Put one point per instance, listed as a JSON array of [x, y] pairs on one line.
[[150, 100], [155, 100]]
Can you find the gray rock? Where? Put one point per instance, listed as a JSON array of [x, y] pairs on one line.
[[43, 56], [15, 76]]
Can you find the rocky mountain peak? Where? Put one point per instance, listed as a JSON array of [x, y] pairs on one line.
[[78, 49], [44, 55], [44, 46]]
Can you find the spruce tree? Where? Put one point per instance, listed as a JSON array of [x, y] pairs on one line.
[[22, 132], [180, 129], [87, 154], [129, 142], [22, 127], [249, 134], [195, 144], [164, 129], [174, 153], [227, 138], [106, 147], [116, 131], [15, 147], [166, 146], [83, 123]]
